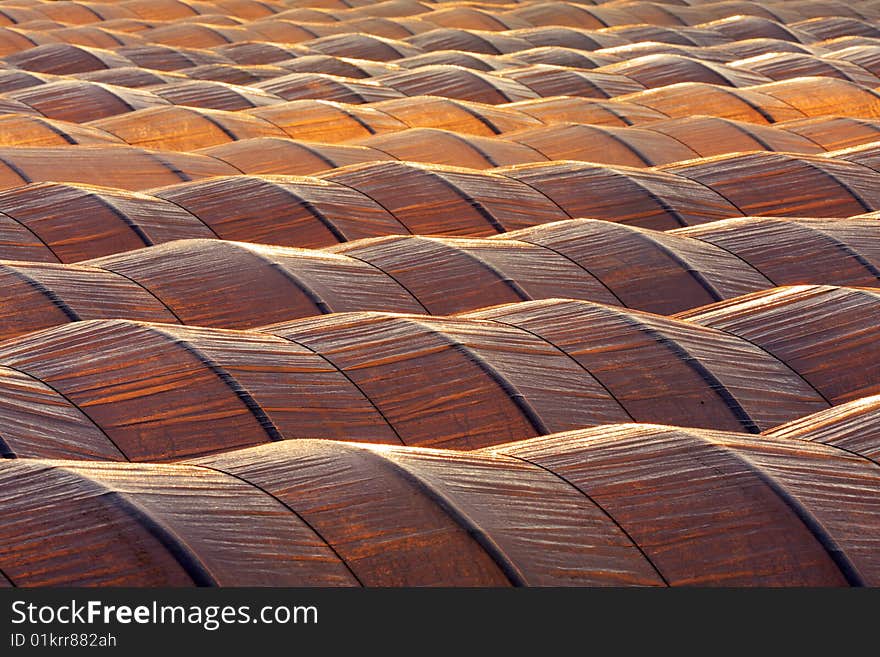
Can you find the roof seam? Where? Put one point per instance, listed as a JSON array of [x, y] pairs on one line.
[[601, 508], [288, 507]]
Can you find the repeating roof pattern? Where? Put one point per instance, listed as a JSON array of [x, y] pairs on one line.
[[417, 292]]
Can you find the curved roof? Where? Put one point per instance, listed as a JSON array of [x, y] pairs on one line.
[[652, 71], [248, 285], [133, 77], [320, 86], [853, 427], [285, 156], [463, 202], [166, 58], [326, 121], [284, 210], [702, 371], [781, 498], [837, 351], [783, 66], [435, 146], [475, 273], [629, 146], [523, 366], [28, 130], [789, 251], [63, 58], [591, 111], [687, 98], [804, 95], [107, 220], [180, 128], [123, 167], [546, 80], [81, 100], [645, 269], [835, 132], [457, 115], [639, 197], [461, 513], [825, 187], [290, 287]]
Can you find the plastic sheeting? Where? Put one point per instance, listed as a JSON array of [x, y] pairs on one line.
[[470, 18], [324, 121], [195, 35], [853, 427], [184, 128], [818, 96], [645, 198], [661, 371], [834, 132], [867, 57], [38, 420], [435, 146], [388, 527], [459, 83], [453, 275], [652, 71], [583, 110], [777, 184], [709, 136], [745, 48], [645, 269], [558, 56], [827, 334], [478, 41], [215, 95], [285, 156], [150, 525], [454, 383], [631, 51], [555, 14], [319, 86], [238, 74], [629, 146], [63, 59], [725, 509], [736, 28], [829, 27], [105, 220], [13, 79], [566, 37], [26, 130], [130, 76], [582, 259], [165, 58], [80, 101], [689, 98], [791, 251], [476, 61], [236, 285], [449, 201], [161, 391], [457, 115], [339, 66], [784, 66], [249, 53], [286, 211], [865, 154], [363, 46], [735, 510], [546, 80], [37, 296]]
